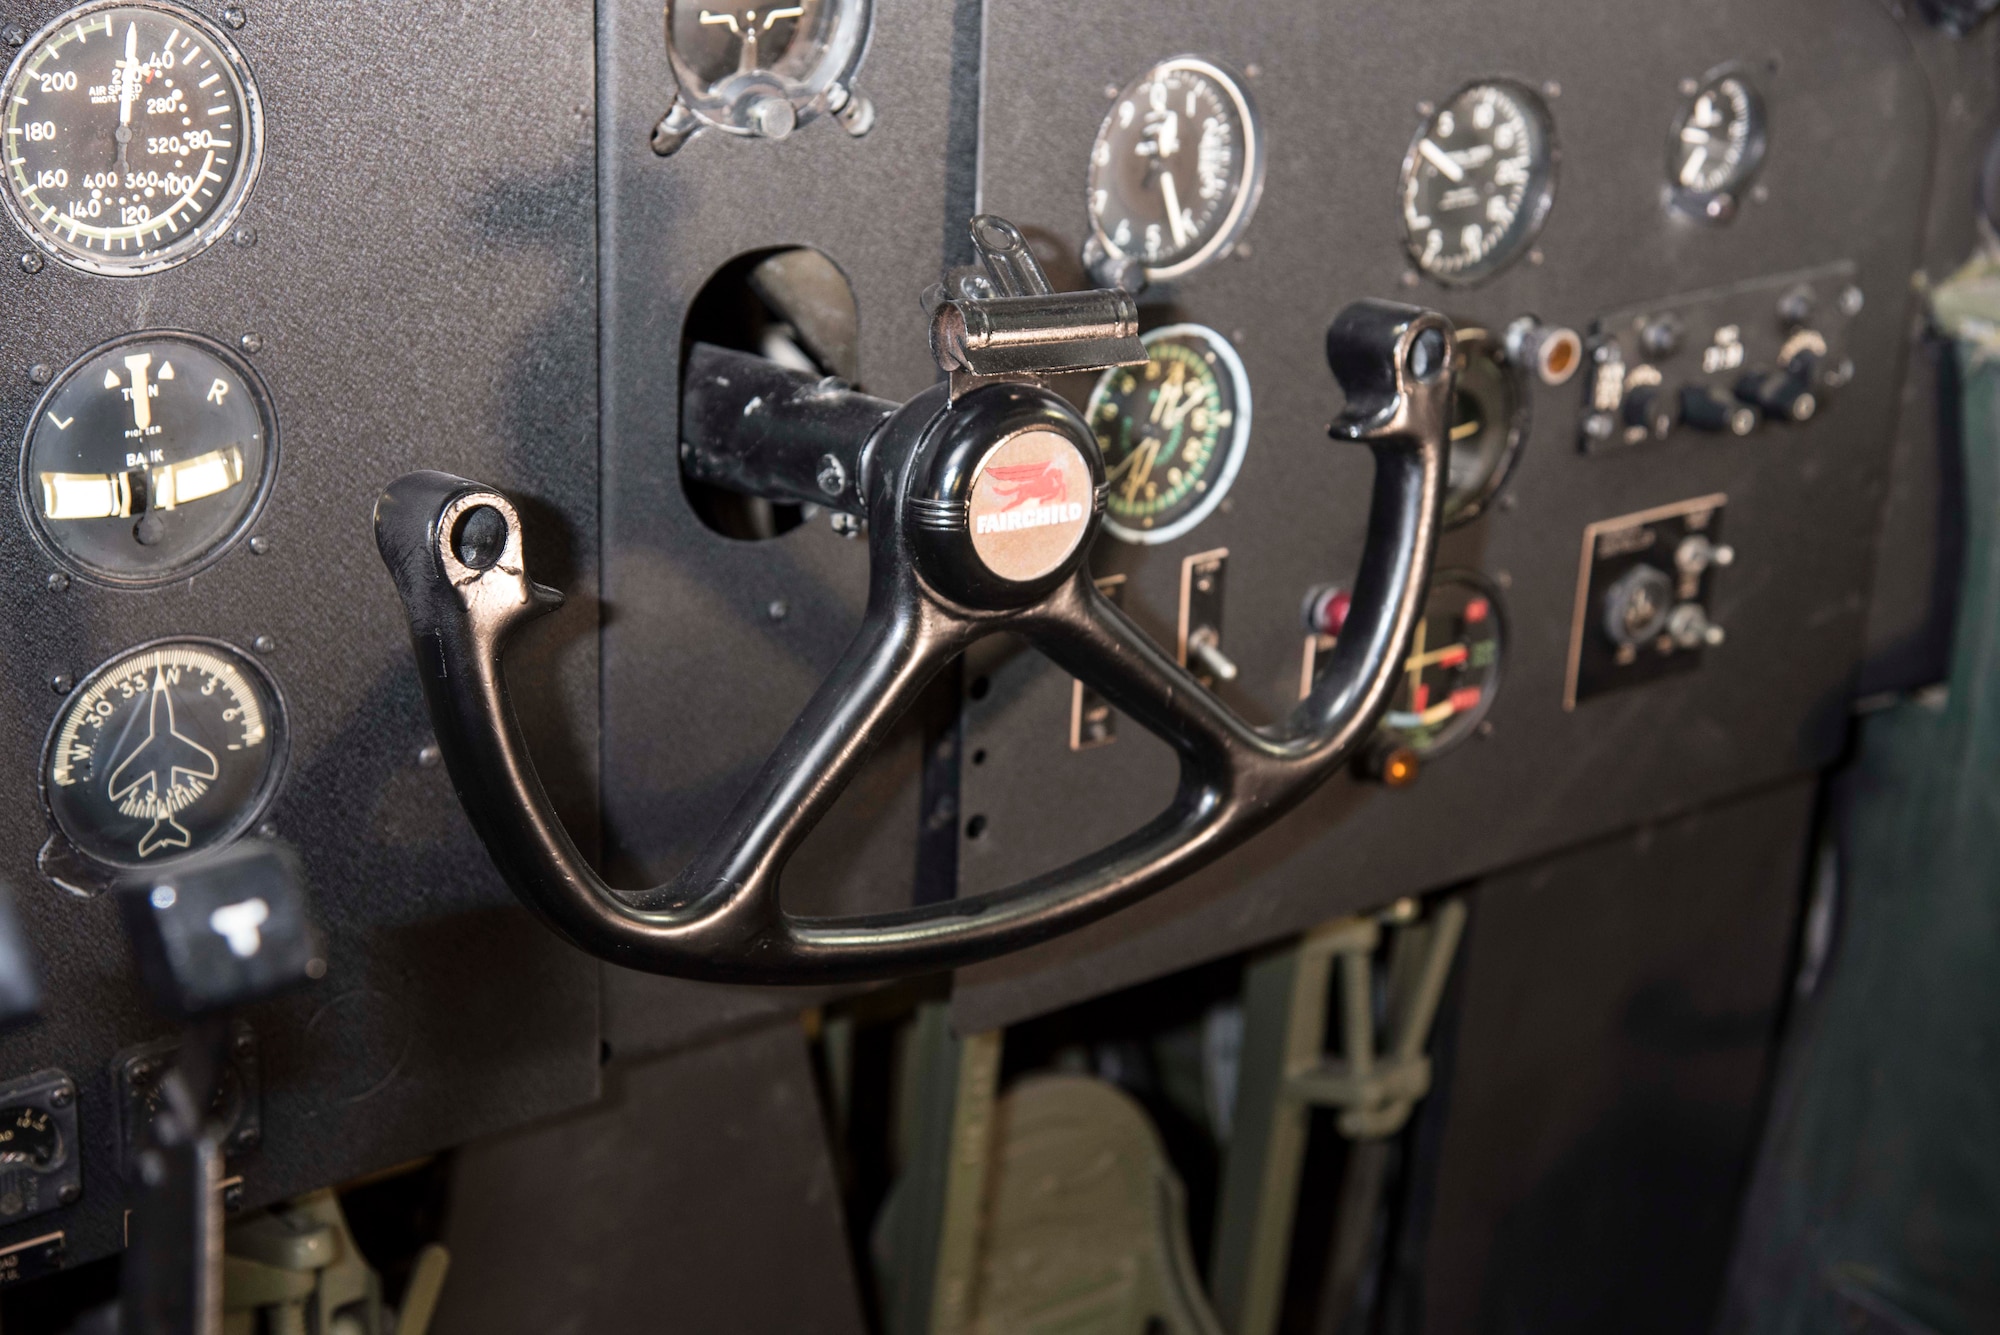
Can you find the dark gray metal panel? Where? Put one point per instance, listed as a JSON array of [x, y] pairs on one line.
[[423, 281], [1846, 180], [699, 681], [1604, 1077], [698, 1197]]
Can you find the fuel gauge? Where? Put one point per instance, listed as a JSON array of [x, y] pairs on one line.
[[147, 459]]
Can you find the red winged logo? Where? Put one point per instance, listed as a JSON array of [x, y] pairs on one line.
[[1020, 484]]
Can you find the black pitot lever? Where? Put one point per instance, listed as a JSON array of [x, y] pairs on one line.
[[982, 496]]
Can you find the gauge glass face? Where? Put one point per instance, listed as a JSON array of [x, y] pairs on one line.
[[1173, 432], [147, 459], [726, 55], [1453, 667], [1487, 428], [1716, 145], [29, 1138], [131, 134], [1177, 168], [1478, 182], [170, 749]]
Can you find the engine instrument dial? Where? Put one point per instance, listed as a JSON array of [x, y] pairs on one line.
[[147, 459], [1716, 146], [130, 135], [1177, 168], [171, 748], [1173, 432], [1478, 181], [1453, 669]]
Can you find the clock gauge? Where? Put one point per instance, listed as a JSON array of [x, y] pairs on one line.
[[1175, 172], [1173, 432], [1478, 181], [1716, 146], [130, 136]]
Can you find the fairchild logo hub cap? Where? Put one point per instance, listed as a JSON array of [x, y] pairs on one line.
[[1031, 502]]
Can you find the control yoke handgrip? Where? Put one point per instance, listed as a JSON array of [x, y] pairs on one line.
[[940, 580]]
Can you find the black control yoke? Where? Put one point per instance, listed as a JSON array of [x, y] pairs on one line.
[[982, 496]]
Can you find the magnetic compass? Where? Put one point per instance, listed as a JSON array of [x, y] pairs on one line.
[[130, 135], [1176, 170], [1478, 181], [172, 748], [1716, 146], [763, 69], [147, 459], [1453, 668], [1173, 432]]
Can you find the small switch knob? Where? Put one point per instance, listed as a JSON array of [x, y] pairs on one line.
[[1705, 410], [1780, 395], [1326, 609], [1650, 409], [1205, 648]]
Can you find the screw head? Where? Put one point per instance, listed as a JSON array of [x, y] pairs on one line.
[[58, 582], [267, 829], [251, 343], [62, 683], [32, 262], [70, 1194], [245, 237], [778, 609], [1851, 301], [41, 373], [60, 1096], [13, 34], [430, 756], [235, 17], [259, 545], [263, 644], [832, 475]]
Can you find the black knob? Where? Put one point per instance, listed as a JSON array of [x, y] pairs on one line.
[[1637, 605], [1705, 410], [1781, 395], [1649, 408]]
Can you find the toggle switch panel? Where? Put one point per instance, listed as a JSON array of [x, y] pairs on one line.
[[1644, 597], [1723, 364]]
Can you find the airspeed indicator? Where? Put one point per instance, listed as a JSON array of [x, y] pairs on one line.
[[129, 136]]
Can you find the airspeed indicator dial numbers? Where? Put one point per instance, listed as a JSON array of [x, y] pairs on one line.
[[1176, 169], [1478, 182], [170, 749], [129, 136]]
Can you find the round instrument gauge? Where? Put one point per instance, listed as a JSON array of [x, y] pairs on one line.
[[1173, 432], [130, 135], [1177, 168], [147, 459], [1453, 669], [29, 1138], [760, 69], [1479, 181], [1488, 426], [1716, 146], [169, 749]]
